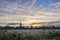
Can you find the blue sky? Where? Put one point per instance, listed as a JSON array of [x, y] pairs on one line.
[[46, 3], [29, 11]]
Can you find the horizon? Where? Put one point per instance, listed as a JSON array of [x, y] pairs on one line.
[[37, 24]]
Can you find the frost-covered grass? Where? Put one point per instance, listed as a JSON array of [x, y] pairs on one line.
[[29, 35]]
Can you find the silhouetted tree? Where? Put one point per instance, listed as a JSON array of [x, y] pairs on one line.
[[31, 26]]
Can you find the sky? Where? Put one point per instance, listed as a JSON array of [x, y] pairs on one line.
[[29, 11]]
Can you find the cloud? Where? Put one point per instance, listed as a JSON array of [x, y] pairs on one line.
[[55, 7], [27, 10]]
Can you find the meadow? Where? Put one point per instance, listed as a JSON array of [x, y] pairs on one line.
[[30, 34]]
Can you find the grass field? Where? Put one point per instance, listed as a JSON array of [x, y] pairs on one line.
[[30, 34]]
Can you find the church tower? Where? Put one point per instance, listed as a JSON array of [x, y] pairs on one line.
[[20, 24]]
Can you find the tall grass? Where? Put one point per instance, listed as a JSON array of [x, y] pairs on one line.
[[4, 35]]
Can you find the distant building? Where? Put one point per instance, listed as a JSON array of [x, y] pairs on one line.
[[20, 24]]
